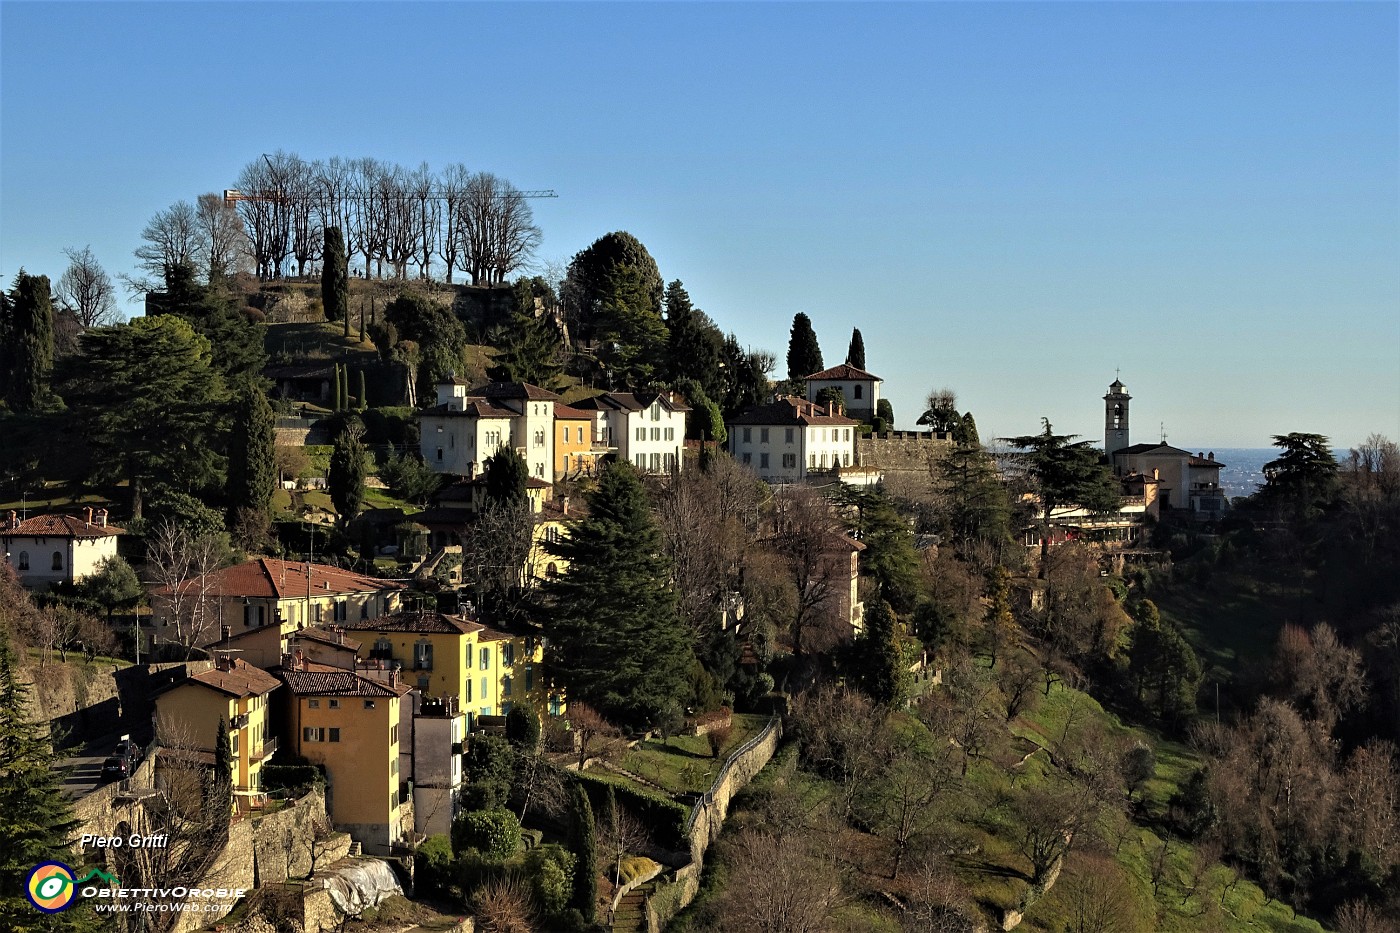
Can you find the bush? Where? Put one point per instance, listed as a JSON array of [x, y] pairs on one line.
[[551, 870], [523, 727], [292, 777], [493, 833], [635, 867], [433, 865]]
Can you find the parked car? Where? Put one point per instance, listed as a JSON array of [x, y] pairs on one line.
[[116, 768]]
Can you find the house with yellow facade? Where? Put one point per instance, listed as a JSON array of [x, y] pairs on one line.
[[267, 591], [350, 724], [578, 445], [266, 647], [487, 670], [231, 690]]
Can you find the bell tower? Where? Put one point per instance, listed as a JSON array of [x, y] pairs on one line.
[[1115, 419]]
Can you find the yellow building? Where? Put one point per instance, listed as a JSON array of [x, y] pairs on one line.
[[267, 591], [350, 725], [576, 448], [487, 670], [188, 715]]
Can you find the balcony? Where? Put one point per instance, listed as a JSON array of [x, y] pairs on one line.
[[269, 746], [239, 722]]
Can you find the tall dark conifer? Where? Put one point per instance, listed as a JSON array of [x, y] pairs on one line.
[[615, 638], [855, 354], [804, 355], [347, 473], [31, 336], [335, 277], [585, 850], [252, 467]]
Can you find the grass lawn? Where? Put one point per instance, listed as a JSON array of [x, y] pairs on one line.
[[683, 763], [321, 341]]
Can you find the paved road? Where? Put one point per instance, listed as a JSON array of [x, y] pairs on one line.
[[83, 771]]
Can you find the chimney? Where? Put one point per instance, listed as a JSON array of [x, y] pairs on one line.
[[298, 661], [339, 635], [89, 515], [102, 517], [12, 521], [287, 661], [565, 505], [394, 676], [1211, 455], [225, 632]]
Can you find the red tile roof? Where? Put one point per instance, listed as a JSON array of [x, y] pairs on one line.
[[327, 637], [282, 579], [240, 680], [418, 622], [791, 411], [563, 412], [512, 390], [323, 680], [493, 634], [59, 526], [632, 401], [845, 371]]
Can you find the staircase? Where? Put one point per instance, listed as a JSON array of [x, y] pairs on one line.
[[631, 916]]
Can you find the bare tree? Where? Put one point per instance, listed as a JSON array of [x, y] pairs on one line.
[[496, 228], [618, 833], [806, 537], [591, 730], [397, 211], [453, 185], [181, 564], [223, 238], [86, 289], [266, 210], [304, 222], [426, 210], [169, 239], [504, 905], [779, 886], [1099, 898]]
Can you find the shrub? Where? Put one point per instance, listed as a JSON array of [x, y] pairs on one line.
[[663, 817], [433, 865], [523, 727], [635, 867], [292, 777], [493, 833], [551, 870]]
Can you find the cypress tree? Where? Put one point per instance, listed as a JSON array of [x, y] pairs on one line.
[[221, 787], [335, 278], [884, 673], [361, 404], [347, 473], [615, 637], [967, 435], [804, 355], [335, 397], [584, 848], [506, 478], [252, 468], [31, 331], [36, 814], [855, 355]]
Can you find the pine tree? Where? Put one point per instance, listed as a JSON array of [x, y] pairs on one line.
[[855, 354], [36, 815], [252, 467], [615, 638], [506, 478], [347, 473], [528, 353], [335, 278], [31, 330], [804, 355], [585, 850], [884, 674]]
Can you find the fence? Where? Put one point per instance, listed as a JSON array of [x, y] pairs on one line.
[[708, 798]]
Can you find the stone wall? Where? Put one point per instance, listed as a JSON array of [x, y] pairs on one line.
[[84, 701], [902, 451]]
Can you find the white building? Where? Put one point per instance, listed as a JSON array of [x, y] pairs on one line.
[[790, 438], [468, 426], [648, 431], [860, 389], [439, 732], [49, 549]]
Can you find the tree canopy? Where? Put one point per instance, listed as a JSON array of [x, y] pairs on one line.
[[615, 639], [347, 473], [855, 353], [589, 283], [335, 277], [252, 467], [1304, 474], [804, 355], [30, 331], [1066, 472]]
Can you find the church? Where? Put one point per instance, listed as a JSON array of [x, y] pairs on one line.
[[1177, 479]]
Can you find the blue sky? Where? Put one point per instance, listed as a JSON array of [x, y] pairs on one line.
[[1011, 200]]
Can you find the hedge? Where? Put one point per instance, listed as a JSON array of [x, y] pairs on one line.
[[287, 777], [663, 816]]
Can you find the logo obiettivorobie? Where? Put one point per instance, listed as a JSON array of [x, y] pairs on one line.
[[52, 886]]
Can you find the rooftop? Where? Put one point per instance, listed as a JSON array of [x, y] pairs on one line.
[[845, 371], [236, 678], [322, 680], [424, 622], [58, 526], [282, 579], [786, 410]]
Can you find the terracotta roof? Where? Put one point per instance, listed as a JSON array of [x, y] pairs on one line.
[[473, 408], [632, 401], [323, 680], [419, 622], [512, 390], [791, 411], [60, 526], [493, 634], [1158, 448], [327, 637], [844, 371], [563, 412], [283, 579], [240, 680], [1203, 462]]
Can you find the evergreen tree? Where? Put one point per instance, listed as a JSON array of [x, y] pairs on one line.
[[506, 476], [360, 402], [1304, 475], [885, 412], [855, 354], [884, 674], [967, 435], [615, 638], [585, 850], [236, 343], [1066, 472], [7, 343], [590, 284], [804, 356], [252, 466], [147, 396], [529, 352], [31, 331], [694, 343], [745, 378], [335, 277], [36, 814], [347, 473], [631, 333], [973, 505], [114, 585], [221, 786]]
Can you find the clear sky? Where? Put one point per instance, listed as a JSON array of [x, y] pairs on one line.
[[1011, 200]]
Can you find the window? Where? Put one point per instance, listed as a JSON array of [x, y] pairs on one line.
[[313, 704], [369, 704], [422, 655], [811, 461], [319, 609], [23, 560], [335, 704], [451, 442], [364, 609], [848, 434], [508, 655], [641, 434], [788, 432], [484, 659], [748, 435], [642, 461], [670, 434], [656, 463], [556, 708], [748, 458], [233, 742], [313, 734], [505, 686], [468, 697], [485, 693], [855, 390], [539, 469], [846, 457], [333, 735], [529, 677], [394, 734], [57, 560], [670, 461], [763, 435], [656, 434], [763, 461], [439, 450], [393, 769], [655, 411], [539, 437], [789, 461], [340, 611]]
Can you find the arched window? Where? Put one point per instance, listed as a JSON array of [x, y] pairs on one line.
[[23, 560], [857, 389], [57, 560]]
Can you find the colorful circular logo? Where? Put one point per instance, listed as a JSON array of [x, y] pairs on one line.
[[51, 887]]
